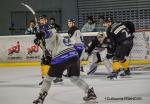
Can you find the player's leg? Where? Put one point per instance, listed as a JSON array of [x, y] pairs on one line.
[[116, 67], [121, 52], [116, 62], [54, 71], [44, 69], [58, 65], [108, 64], [58, 80], [74, 73], [124, 62], [81, 56], [93, 62], [90, 94], [44, 90], [99, 59], [125, 66]]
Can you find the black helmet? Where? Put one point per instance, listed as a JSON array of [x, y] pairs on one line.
[[43, 16], [71, 20], [108, 19]]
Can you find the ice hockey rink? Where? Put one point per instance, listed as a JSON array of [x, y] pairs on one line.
[[19, 85]]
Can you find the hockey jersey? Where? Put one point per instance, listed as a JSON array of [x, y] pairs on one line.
[[46, 29], [58, 49], [76, 38], [96, 44], [119, 32], [54, 43]]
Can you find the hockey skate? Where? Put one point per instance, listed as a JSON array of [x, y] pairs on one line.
[[113, 75], [91, 96], [126, 73], [40, 99], [58, 80]]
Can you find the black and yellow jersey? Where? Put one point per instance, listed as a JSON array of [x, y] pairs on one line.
[[119, 32]]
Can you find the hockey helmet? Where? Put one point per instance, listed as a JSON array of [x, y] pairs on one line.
[[108, 19], [71, 20], [101, 36]]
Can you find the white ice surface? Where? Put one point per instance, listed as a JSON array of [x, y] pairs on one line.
[[19, 85]]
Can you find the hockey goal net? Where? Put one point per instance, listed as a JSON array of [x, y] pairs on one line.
[[140, 54]]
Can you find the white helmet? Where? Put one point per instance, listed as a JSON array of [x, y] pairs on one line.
[[101, 36]]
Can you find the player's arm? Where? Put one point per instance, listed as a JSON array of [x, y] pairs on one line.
[[92, 45]]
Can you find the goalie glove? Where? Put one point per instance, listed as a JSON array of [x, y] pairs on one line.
[[40, 35], [46, 61]]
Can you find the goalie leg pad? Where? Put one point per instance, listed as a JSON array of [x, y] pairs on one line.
[[108, 65]]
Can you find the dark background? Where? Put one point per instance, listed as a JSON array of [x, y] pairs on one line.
[[12, 14]]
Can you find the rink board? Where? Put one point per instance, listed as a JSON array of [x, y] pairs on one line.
[[140, 53]]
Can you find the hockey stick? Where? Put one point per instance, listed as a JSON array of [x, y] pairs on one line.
[[93, 68], [43, 47], [34, 14]]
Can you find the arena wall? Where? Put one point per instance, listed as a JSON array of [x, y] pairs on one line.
[[21, 50]]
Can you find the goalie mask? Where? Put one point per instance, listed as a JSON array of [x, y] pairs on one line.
[[101, 37]]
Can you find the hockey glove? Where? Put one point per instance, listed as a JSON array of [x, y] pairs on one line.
[[47, 58], [40, 35], [37, 41]]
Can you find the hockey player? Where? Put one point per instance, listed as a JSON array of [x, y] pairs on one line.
[[63, 57], [103, 46], [43, 27], [122, 36], [74, 38]]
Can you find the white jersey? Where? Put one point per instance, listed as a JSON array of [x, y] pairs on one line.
[[77, 37], [77, 40], [55, 45]]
